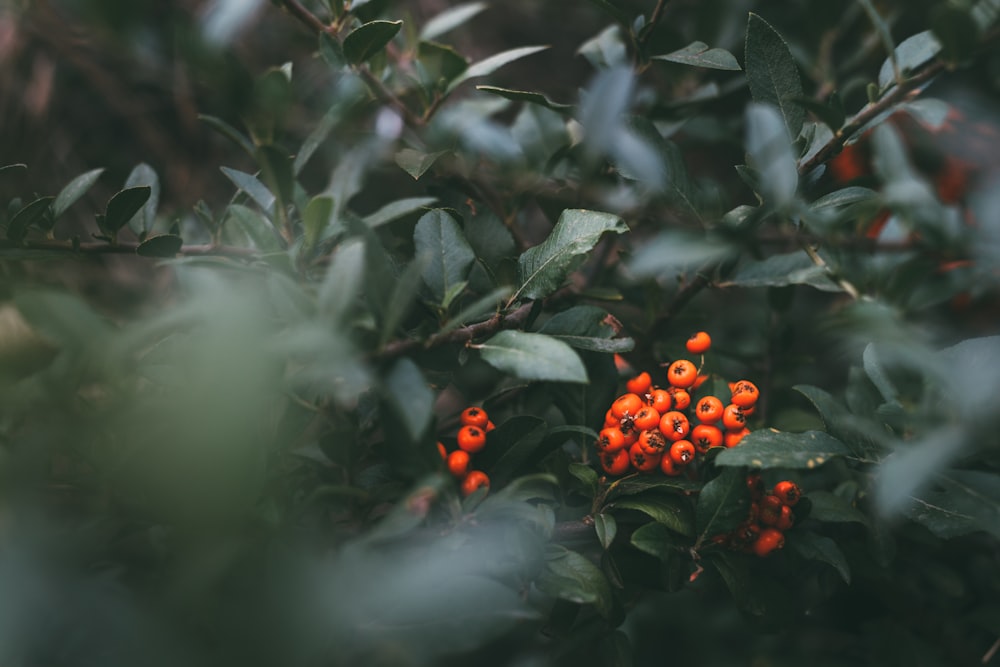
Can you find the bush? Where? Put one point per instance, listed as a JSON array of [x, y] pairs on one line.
[[231, 405]]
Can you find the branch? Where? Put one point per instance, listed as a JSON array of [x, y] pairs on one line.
[[101, 248], [296, 9]]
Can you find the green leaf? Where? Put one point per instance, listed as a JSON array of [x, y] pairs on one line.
[[830, 508], [862, 436], [249, 184], [143, 220], [723, 503], [28, 215], [316, 137], [439, 241], [613, 11], [525, 96], [674, 252], [771, 73], [397, 209], [416, 163], [770, 152], [768, 448], [409, 394], [493, 63], [263, 234], [532, 356], [794, 268], [450, 19], [876, 372], [666, 508], [544, 268], [630, 486], [961, 502], [700, 55], [914, 465], [164, 245], [570, 576], [657, 540], [343, 280], [848, 196], [74, 190], [607, 49], [276, 171], [331, 51], [8, 170], [124, 205], [439, 65], [911, 54], [483, 307], [316, 219], [586, 475], [606, 528], [830, 114], [228, 131], [811, 546], [401, 298], [368, 39]]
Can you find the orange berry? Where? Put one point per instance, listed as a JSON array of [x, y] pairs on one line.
[[669, 468], [660, 400], [442, 451], [610, 439], [769, 540], [745, 393], [610, 420], [474, 417], [640, 384], [682, 374], [615, 463], [698, 381], [789, 492], [476, 479], [733, 418], [626, 405], [708, 410], [490, 425], [642, 461], [786, 519], [699, 343], [652, 441], [646, 418], [682, 399], [458, 463], [733, 438], [471, 438], [682, 452], [704, 436], [674, 425]]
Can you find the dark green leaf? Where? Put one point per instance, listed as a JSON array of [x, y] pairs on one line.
[[276, 171], [911, 54], [612, 10], [913, 466], [485, 306], [771, 73], [415, 163], [831, 508], [667, 508], [316, 219], [811, 546], [439, 64], [257, 227], [397, 209], [606, 528], [331, 51], [439, 241], [862, 436], [961, 502], [124, 205], [758, 596], [723, 503], [409, 394], [164, 245], [604, 345], [493, 63], [831, 115], [768, 448], [450, 19], [570, 576], [607, 49], [8, 170], [544, 268], [657, 540], [28, 215], [770, 152], [674, 252], [228, 131], [533, 357], [74, 190], [586, 475], [700, 55], [630, 486], [343, 280], [844, 197], [794, 268], [315, 138], [249, 184], [525, 96], [401, 298], [368, 39], [490, 238], [142, 222]]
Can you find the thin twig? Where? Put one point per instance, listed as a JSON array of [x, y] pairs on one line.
[[296, 9], [511, 320]]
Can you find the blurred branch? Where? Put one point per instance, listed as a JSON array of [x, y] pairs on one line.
[[295, 8], [8, 247]]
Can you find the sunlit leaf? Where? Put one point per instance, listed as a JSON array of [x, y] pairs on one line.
[[368, 39], [768, 448], [700, 55], [73, 190], [532, 356]]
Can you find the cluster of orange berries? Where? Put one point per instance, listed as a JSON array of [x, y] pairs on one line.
[[770, 516], [470, 439], [651, 428]]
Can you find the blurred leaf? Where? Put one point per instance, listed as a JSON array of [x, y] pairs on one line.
[[491, 64], [164, 245], [768, 448], [316, 219], [415, 163], [490, 238], [401, 298], [723, 503], [986, 13], [603, 106], [368, 39], [911, 53], [794, 268], [397, 209], [844, 197], [73, 190], [830, 114], [228, 131], [657, 540], [11, 170], [318, 135], [249, 184], [525, 96], [541, 133], [967, 371], [586, 475], [409, 394], [27, 216], [439, 240], [450, 18], [700, 55], [760, 597], [343, 280], [665, 508], [770, 151], [772, 74], [263, 234], [860, 435], [959, 503], [830, 508], [811, 546], [62, 318], [606, 49], [544, 268], [439, 64], [570, 576], [142, 222], [913, 466], [675, 252], [877, 374], [124, 205], [276, 171], [612, 10], [633, 485], [533, 357], [606, 528]]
